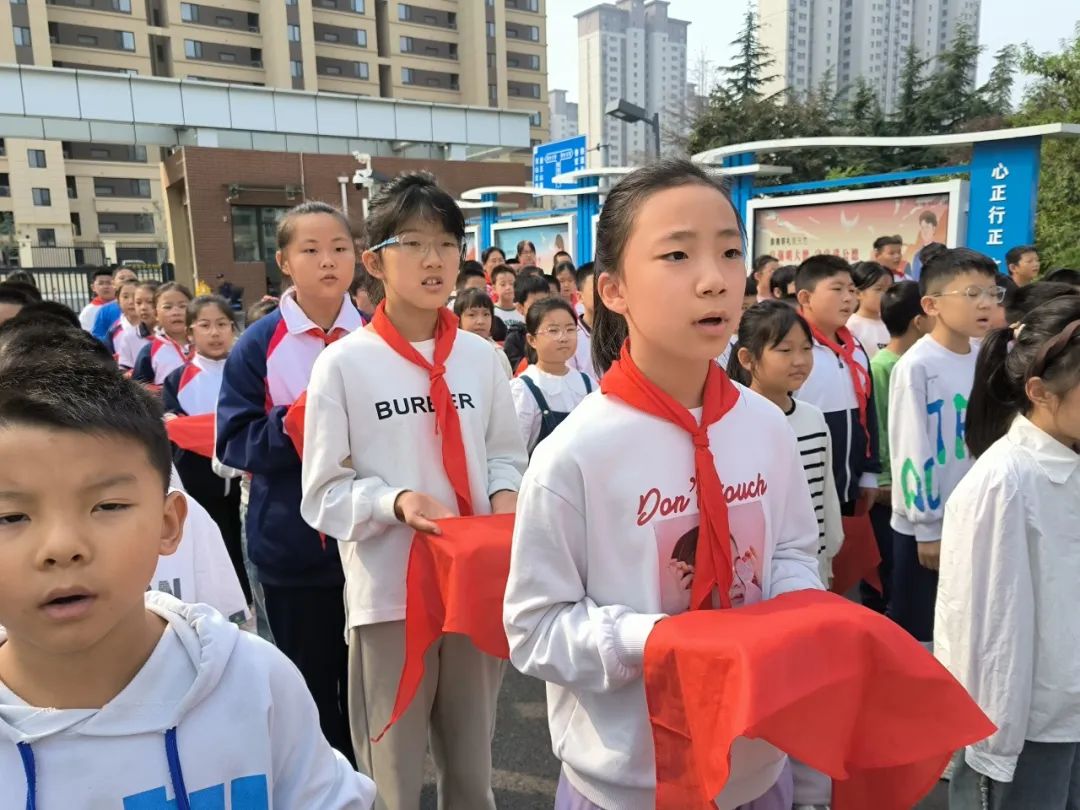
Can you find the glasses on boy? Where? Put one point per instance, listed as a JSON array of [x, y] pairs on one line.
[[973, 293]]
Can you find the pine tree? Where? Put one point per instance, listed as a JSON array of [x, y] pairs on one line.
[[997, 92], [909, 116], [747, 76]]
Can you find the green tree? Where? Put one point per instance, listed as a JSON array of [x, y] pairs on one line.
[[747, 76], [950, 97], [1055, 96], [9, 246], [997, 93]]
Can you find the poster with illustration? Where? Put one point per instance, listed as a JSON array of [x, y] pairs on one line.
[[472, 233], [847, 223], [676, 546], [549, 235]]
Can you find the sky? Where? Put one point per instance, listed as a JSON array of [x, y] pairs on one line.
[[714, 23]]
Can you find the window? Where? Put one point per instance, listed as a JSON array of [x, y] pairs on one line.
[[46, 237], [76, 224], [226, 56], [491, 60], [535, 119], [360, 70], [491, 30], [406, 44], [125, 40], [296, 68], [5, 184], [294, 33], [22, 36], [72, 189], [223, 22], [189, 12], [192, 49], [42, 197], [534, 62], [123, 6], [254, 230], [358, 6], [406, 76], [330, 36], [290, 2], [534, 33], [404, 12], [332, 70], [36, 158], [361, 37]]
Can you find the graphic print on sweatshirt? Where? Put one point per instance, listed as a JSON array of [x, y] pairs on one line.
[[676, 534], [922, 490]]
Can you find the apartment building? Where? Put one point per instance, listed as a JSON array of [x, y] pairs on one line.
[[635, 51], [107, 198], [564, 116], [840, 40]]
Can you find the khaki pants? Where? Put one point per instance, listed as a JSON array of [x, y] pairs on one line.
[[454, 706]]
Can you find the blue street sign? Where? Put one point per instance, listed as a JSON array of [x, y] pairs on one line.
[[1003, 191], [555, 158]]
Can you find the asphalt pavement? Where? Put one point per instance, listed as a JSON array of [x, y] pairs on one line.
[[526, 772]]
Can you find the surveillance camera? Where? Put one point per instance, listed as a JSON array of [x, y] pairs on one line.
[[362, 179]]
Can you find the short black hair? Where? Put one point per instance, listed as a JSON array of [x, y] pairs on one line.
[[51, 312], [27, 340], [473, 299], [469, 270], [751, 287], [502, 270], [11, 294], [493, 249], [867, 274], [818, 268], [63, 392], [1017, 253], [260, 309], [928, 217], [761, 261], [947, 263], [565, 267], [31, 292], [553, 284], [883, 241], [541, 309], [22, 277], [171, 286], [900, 305], [1022, 300], [584, 273], [781, 279], [1063, 275], [409, 197], [527, 284], [200, 301], [98, 272], [530, 270], [763, 326]]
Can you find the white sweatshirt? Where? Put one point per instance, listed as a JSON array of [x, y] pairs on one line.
[[562, 393], [871, 332], [369, 434], [603, 504], [1008, 619], [928, 395], [245, 727], [815, 456]]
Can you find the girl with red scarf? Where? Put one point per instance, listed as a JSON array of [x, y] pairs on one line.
[[408, 421], [673, 489]]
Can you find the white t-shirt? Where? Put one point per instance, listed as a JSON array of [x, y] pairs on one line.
[[563, 393], [509, 316], [871, 332]]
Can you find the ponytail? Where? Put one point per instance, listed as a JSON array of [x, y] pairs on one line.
[[1046, 345], [609, 330], [995, 400]]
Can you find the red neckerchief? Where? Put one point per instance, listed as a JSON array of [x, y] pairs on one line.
[[185, 352], [447, 422], [712, 560], [860, 377], [336, 333]]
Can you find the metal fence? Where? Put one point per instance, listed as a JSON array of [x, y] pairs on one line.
[[71, 285]]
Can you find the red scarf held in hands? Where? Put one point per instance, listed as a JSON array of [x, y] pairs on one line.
[[712, 563], [860, 377], [447, 422]]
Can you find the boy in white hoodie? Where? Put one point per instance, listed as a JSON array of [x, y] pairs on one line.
[[110, 697]]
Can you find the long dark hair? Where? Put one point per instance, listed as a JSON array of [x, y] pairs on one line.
[[1046, 345], [613, 232], [763, 326]]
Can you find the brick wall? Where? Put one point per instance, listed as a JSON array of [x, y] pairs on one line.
[[208, 173]]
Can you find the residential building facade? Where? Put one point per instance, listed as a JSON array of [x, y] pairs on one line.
[[564, 116]]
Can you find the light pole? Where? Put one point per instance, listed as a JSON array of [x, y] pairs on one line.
[[631, 114]]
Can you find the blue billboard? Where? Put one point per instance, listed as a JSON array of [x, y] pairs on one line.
[[555, 158]]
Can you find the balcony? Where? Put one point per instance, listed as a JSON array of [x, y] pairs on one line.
[[432, 48], [120, 187], [419, 15], [523, 61], [336, 35], [115, 6], [114, 152], [527, 33], [125, 223], [84, 36], [436, 80], [347, 6], [214, 17], [341, 68], [223, 54]]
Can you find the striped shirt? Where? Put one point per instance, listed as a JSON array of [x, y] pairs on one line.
[[815, 451]]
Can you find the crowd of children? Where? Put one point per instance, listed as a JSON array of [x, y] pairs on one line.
[[608, 406]]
